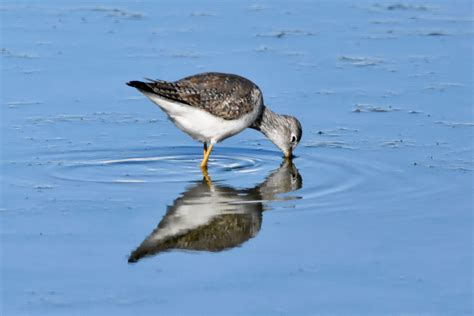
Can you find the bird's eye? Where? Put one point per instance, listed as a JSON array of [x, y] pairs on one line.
[[293, 138]]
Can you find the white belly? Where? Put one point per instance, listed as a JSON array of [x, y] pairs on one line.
[[200, 124]]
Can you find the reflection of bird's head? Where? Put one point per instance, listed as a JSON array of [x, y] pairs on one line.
[[282, 180]]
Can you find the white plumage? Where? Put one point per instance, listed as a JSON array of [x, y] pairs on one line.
[[201, 125]]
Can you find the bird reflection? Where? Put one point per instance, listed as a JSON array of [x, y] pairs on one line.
[[215, 217]]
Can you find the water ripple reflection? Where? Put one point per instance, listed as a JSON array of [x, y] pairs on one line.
[[171, 164], [224, 213], [213, 217]]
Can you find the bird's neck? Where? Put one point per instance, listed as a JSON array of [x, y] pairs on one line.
[[267, 121]]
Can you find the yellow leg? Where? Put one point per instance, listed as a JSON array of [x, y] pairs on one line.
[[206, 177], [205, 148], [206, 156]]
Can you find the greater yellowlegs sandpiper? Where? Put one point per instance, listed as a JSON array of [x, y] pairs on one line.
[[211, 107]]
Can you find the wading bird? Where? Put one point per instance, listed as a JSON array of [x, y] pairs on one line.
[[211, 107]]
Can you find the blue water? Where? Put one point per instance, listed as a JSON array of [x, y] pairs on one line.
[[373, 218]]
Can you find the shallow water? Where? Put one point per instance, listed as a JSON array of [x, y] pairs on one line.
[[374, 215]]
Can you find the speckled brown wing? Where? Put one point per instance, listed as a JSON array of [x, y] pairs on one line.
[[224, 95]]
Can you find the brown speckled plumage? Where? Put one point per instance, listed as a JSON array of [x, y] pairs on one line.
[[224, 95], [211, 107]]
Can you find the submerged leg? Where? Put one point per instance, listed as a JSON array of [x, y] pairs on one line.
[[206, 156], [206, 177]]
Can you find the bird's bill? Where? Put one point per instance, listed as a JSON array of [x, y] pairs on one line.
[[289, 154]]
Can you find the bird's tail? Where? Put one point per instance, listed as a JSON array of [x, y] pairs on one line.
[[142, 86]]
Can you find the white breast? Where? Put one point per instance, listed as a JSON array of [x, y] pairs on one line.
[[202, 125], [197, 212]]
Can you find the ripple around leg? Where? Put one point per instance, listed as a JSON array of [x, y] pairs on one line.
[[159, 165], [329, 182]]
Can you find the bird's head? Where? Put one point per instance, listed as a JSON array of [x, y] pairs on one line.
[[286, 135]]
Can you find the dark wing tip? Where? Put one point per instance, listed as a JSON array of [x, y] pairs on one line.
[[133, 259], [143, 86], [135, 84]]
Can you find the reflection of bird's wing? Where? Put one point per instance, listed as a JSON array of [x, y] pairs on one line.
[[204, 219], [224, 95], [282, 180]]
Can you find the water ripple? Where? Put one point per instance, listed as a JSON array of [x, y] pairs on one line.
[[161, 165]]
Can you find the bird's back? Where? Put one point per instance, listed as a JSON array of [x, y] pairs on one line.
[[226, 96]]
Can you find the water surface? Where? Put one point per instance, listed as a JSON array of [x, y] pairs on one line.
[[105, 210]]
